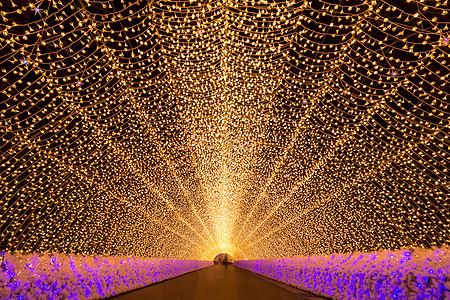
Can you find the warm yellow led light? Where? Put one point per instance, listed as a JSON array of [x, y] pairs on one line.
[[256, 128]]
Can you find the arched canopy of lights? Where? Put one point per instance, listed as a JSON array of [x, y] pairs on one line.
[[257, 128]]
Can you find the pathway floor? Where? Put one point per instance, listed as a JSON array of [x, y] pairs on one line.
[[218, 282]]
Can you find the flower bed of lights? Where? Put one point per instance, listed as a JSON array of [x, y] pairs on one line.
[[413, 273], [60, 276]]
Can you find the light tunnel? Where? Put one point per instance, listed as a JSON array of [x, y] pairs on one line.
[[309, 140]]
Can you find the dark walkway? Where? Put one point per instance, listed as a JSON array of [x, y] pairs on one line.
[[219, 282]]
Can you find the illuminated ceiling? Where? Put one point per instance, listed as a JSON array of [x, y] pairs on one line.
[[190, 128]]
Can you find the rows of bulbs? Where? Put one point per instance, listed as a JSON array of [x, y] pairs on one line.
[[258, 128]]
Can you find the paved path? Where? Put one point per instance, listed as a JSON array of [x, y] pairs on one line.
[[219, 282]]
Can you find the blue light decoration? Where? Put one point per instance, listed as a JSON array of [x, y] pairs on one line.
[[413, 273], [37, 10], [61, 276]]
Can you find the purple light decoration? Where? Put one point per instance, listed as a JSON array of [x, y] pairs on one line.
[[79, 82], [394, 73], [413, 273], [24, 61], [60, 276]]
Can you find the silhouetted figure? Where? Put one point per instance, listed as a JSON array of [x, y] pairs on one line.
[[223, 259]]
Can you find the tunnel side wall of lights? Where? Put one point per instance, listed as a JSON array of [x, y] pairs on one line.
[[60, 276], [410, 273]]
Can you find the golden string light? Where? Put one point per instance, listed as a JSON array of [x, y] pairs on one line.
[[190, 128]]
